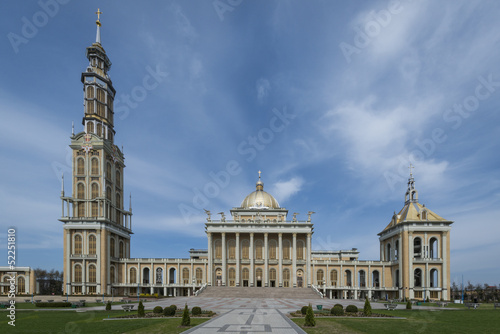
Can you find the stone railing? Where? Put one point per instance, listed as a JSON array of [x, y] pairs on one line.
[[203, 287], [315, 289]]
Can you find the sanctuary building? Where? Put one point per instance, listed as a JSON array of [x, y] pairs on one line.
[[257, 246]]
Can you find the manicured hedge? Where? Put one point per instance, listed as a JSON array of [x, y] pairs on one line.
[[351, 309], [303, 310], [57, 304], [158, 309], [196, 310], [169, 311], [337, 310]]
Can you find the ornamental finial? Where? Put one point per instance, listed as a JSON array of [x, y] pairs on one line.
[[98, 22], [98, 17], [410, 168], [259, 174]]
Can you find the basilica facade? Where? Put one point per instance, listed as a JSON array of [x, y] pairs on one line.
[[259, 245]]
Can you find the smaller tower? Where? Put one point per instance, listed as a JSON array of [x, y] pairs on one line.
[[416, 246]]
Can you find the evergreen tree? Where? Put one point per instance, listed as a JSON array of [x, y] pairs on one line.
[[140, 310], [186, 320], [310, 321], [367, 310], [108, 306]]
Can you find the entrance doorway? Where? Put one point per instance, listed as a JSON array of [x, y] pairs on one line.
[[258, 277], [300, 277], [218, 277]]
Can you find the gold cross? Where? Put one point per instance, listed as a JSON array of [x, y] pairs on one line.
[[98, 14], [259, 173]]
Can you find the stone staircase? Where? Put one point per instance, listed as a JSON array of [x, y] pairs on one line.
[[254, 292]]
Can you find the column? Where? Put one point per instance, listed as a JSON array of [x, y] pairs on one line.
[[294, 260], [237, 259], [223, 258], [210, 265], [308, 264], [280, 259], [266, 260], [69, 273], [444, 251], [252, 273]]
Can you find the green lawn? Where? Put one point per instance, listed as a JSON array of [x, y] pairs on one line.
[[88, 322], [447, 321]]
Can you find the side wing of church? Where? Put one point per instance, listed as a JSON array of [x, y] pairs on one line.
[[259, 246]]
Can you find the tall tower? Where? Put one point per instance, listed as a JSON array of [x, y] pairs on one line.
[[97, 228], [416, 243]]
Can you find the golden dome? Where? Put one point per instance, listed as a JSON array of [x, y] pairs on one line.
[[259, 199]]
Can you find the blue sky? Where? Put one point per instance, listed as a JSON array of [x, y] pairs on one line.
[[331, 100]]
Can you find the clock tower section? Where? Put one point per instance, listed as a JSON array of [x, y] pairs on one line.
[[97, 228]]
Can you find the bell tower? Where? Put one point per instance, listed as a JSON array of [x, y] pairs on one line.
[[97, 227]]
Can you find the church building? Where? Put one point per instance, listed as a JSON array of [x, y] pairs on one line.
[[259, 245]]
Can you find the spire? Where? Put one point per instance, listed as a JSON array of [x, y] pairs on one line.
[[411, 193], [62, 184], [98, 22], [260, 184]]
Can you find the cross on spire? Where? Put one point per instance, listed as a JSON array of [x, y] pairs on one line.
[[410, 168], [98, 16], [259, 174]]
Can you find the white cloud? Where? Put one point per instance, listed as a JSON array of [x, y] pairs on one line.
[[283, 190], [263, 88]]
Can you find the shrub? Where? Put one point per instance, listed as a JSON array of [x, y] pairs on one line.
[[56, 304], [158, 309], [174, 307], [337, 310], [140, 309], [341, 306], [169, 311], [303, 310], [310, 321], [108, 306], [351, 309], [367, 310], [196, 310], [408, 305], [427, 299], [186, 320]]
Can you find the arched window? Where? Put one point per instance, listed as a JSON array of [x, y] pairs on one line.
[[272, 250], [78, 274], [185, 276], [376, 279], [94, 165], [145, 275], [433, 248], [286, 249], [92, 244], [417, 277], [95, 205], [199, 276], [118, 177], [80, 166], [90, 125], [245, 249], [272, 277], [80, 194], [121, 249], [99, 125], [348, 278], [159, 276], [78, 244], [362, 278], [417, 247], [21, 285], [434, 280], [133, 275], [232, 277], [172, 275], [396, 250], [396, 279], [258, 274], [6, 286], [92, 274], [218, 249], [112, 247], [90, 92], [320, 277], [286, 278], [108, 171], [231, 245], [333, 277], [90, 107], [300, 250], [112, 274], [388, 253], [245, 274], [258, 250], [424, 215]]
